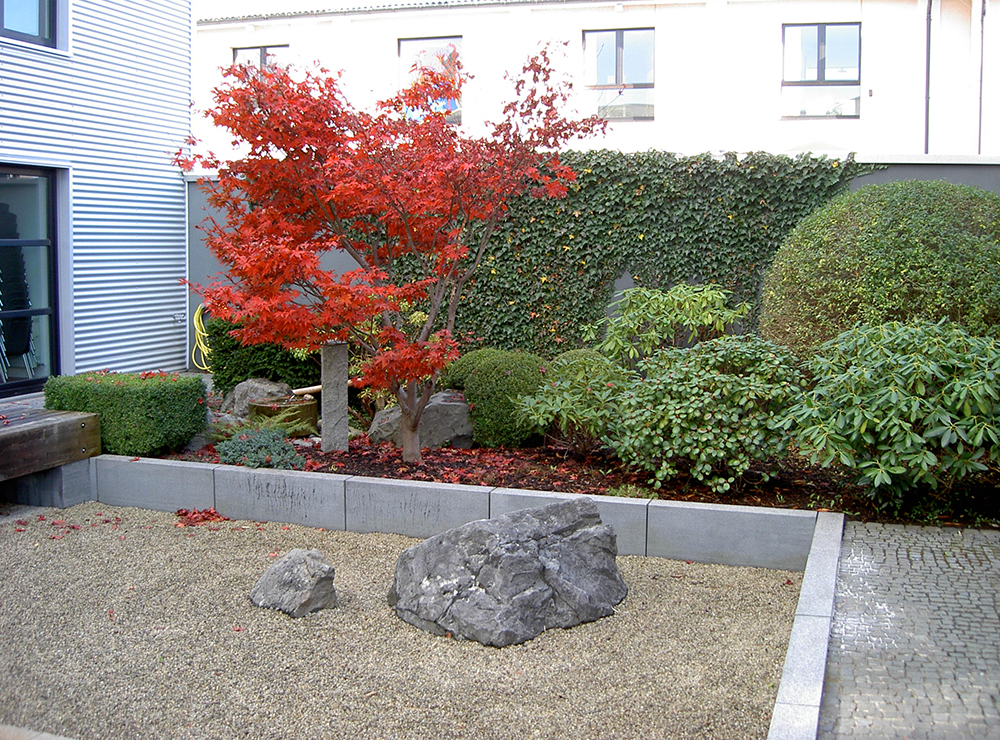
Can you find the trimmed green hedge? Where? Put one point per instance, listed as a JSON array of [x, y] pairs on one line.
[[141, 414], [231, 363]]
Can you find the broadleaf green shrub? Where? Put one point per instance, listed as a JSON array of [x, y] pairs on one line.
[[231, 362], [492, 389], [260, 448], [892, 252], [576, 402], [645, 320], [715, 407], [907, 405], [141, 413], [664, 218]]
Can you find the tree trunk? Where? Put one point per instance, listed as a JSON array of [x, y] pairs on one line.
[[409, 436]]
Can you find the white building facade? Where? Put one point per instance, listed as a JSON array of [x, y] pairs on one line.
[[94, 102], [883, 78]]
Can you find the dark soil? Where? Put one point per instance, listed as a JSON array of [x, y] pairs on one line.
[[790, 482]]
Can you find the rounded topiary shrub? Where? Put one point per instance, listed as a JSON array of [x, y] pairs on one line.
[[456, 372], [891, 252], [492, 390]]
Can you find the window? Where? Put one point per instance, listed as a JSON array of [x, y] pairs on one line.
[[29, 20], [27, 280], [261, 56], [618, 69], [822, 76], [441, 54]]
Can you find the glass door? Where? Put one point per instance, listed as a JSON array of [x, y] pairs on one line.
[[27, 281]]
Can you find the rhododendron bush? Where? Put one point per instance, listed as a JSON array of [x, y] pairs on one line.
[[410, 197]]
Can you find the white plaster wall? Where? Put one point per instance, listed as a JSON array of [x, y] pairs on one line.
[[718, 66]]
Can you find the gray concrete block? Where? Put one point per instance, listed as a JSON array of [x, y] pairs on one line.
[[334, 376], [61, 487], [730, 535], [805, 662], [412, 508], [819, 584], [162, 485], [291, 496], [626, 516], [793, 722]]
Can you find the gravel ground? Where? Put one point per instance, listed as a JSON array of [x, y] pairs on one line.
[[115, 623]]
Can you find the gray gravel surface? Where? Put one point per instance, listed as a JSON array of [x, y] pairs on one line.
[[115, 623]]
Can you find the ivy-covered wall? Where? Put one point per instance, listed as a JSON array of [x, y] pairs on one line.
[[665, 219]]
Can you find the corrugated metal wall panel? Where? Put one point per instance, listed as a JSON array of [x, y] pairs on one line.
[[116, 108]]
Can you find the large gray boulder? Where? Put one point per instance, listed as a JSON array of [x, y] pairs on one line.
[[298, 583], [445, 422], [506, 580], [237, 401]]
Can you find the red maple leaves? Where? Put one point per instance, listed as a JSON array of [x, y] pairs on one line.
[[408, 197]]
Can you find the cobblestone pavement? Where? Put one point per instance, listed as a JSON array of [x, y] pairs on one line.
[[915, 643]]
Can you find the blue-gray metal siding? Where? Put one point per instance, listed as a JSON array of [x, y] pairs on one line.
[[113, 109]]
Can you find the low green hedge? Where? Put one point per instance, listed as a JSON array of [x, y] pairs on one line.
[[141, 413]]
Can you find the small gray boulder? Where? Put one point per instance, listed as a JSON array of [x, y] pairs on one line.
[[237, 401], [506, 580], [298, 583], [445, 422]]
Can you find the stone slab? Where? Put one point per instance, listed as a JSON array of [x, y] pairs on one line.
[[793, 722], [819, 583], [61, 487], [412, 508], [626, 516], [805, 662], [293, 497], [730, 535], [162, 485]]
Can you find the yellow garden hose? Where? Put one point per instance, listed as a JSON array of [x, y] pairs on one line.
[[201, 350]]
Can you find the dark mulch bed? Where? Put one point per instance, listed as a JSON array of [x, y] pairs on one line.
[[787, 483]]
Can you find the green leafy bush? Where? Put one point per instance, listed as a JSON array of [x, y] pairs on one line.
[[231, 363], [892, 252], [717, 406], [260, 448], [287, 423], [646, 319], [141, 413], [456, 373], [492, 389], [906, 405], [577, 400]]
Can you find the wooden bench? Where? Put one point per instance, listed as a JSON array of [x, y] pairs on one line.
[[34, 440]]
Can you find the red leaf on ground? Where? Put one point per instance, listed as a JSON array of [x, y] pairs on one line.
[[21, 522], [41, 517], [237, 628], [193, 517], [55, 537], [19, 529]]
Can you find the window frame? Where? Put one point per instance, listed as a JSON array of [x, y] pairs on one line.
[[16, 386], [820, 81], [48, 21], [453, 115], [262, 62], [620, 67]]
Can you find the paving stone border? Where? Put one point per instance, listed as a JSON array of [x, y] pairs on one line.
[[782, 539]]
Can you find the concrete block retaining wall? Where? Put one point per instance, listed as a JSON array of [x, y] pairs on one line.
[[782, 539]]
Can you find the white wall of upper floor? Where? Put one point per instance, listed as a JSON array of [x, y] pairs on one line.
[[718, 66]]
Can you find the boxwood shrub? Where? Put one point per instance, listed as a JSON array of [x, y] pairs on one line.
[[492, 390], [891, 252], [231, 362], [141, 413]]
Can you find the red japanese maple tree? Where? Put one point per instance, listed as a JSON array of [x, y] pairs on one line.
[[407, 195]]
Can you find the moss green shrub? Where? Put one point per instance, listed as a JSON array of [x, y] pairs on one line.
[[260, 448], [892, 252], [231, 363], [141, 413], [492, 390], [577, 400], [456, 373], [714, 407], [909, 406]]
